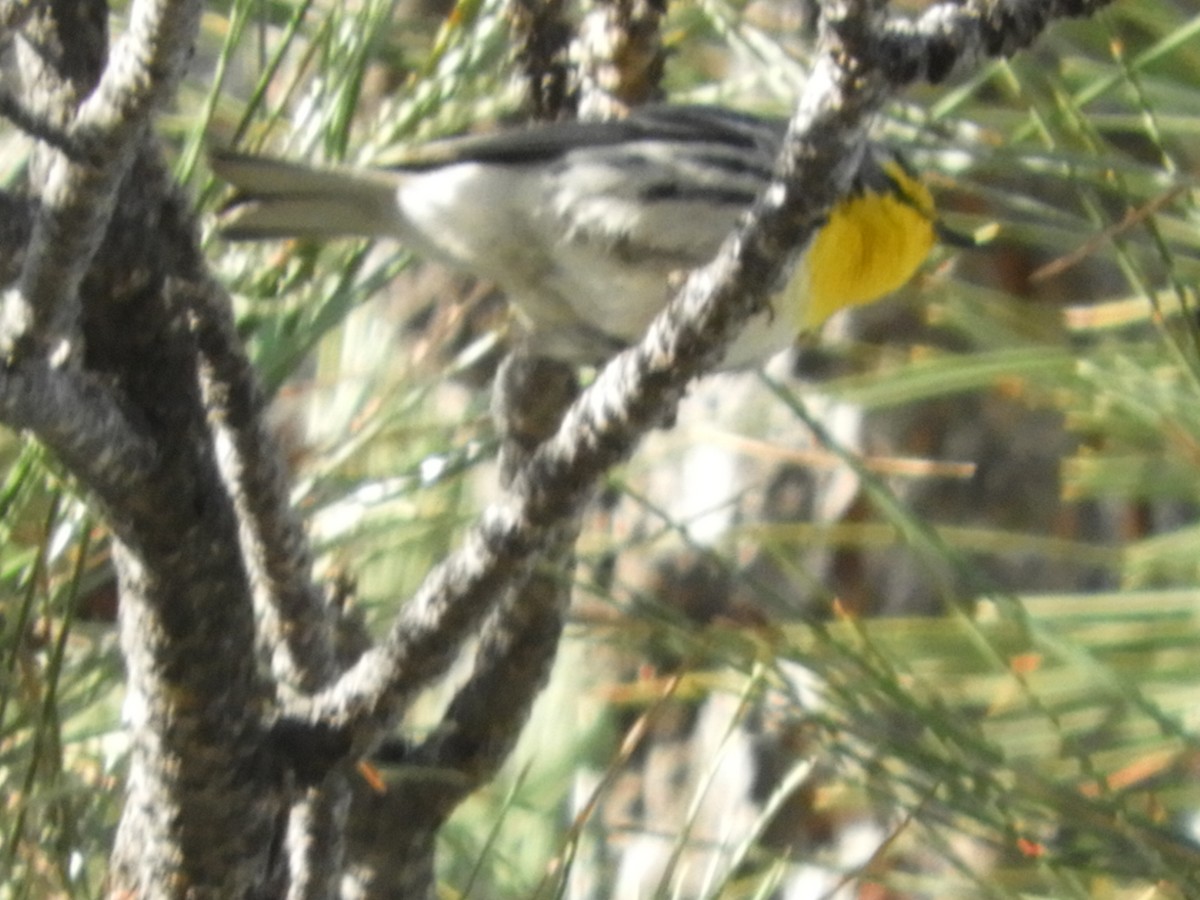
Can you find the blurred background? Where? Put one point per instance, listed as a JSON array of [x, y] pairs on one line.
[[912, 612]]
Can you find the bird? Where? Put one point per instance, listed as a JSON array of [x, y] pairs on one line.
[[582, 224]]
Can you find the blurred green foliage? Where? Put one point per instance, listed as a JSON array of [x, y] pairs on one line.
[[1020, 743]]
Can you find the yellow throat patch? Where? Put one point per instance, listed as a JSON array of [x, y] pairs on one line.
[[871, 245]]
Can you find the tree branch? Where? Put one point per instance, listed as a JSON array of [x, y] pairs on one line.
[[78, 418], [206, 800], [520, 640], [949, 38], [42, 317], [543, 35], [621, 56], [296, 623], [296, 627], [519, 643], [12, 109]]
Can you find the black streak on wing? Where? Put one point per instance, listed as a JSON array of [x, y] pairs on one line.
[[538, 143]]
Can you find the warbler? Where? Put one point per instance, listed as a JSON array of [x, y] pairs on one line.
[[582, 223]]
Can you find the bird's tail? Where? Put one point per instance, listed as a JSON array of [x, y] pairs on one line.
[[280, 199]]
